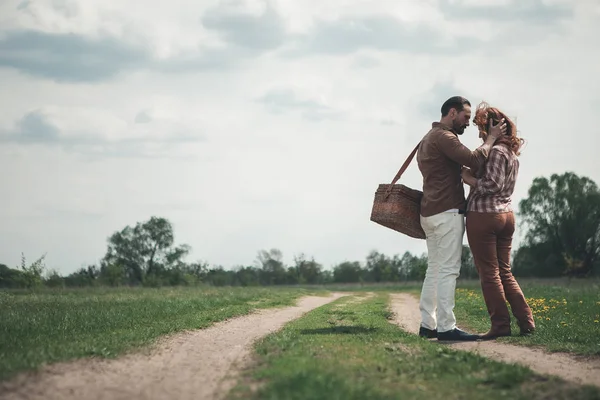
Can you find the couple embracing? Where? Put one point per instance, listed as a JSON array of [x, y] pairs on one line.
[[486, 214]]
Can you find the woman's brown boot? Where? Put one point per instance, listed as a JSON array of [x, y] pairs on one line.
[[496, 333]]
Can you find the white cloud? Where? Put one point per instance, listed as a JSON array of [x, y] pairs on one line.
[[197, 112], [164, 27]]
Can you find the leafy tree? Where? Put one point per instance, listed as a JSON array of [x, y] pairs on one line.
[[218, 276], [197, 269], [112, 274], [564, 213], [143, 251], [348, 272], [83, 277], [393, 270], [307, 271], [467, 267], [32, 273], [382, 268], [23, 276], [405, 266], [326, 276], [376, 265], [273, 271], [54, 279], [247, 276], [11, 278], [538, 260], [413, 267]]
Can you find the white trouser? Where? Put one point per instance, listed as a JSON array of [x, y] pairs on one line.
[[444, 233]]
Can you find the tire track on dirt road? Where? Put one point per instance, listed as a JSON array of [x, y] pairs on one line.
[[199, 364], [406, 314]]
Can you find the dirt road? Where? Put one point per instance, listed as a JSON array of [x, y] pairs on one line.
[[196, 365], [406, 310]]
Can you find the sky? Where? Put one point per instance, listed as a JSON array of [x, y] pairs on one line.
[[253, 124]]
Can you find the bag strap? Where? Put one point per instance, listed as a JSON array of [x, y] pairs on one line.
[[403, 167]]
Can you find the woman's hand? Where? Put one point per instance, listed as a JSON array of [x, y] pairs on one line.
[[465, 171], [468, 177]]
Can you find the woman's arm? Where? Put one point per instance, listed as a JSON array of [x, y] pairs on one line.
[[468, 177], [495, 173]]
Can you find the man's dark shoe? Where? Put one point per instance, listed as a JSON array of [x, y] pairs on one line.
[[457, 335], [427, 333]]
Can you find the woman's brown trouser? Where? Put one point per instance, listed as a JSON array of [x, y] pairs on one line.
[[490, 239]]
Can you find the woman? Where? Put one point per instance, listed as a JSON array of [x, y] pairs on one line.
[[490, 226]]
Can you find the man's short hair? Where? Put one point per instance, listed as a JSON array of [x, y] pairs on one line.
[[456, 102]]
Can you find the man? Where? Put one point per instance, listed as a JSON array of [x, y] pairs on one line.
[[441, 157]]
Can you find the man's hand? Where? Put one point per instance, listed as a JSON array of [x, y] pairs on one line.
[[497, 130]]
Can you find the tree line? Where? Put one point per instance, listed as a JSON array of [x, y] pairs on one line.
[[268, 269], [561, 216]]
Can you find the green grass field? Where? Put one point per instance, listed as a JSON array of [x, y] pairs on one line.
[[567, 317], [351, 351], [58, 325], [342, 350], [567, 314]]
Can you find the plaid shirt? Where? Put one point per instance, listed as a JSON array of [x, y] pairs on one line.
[[494, 189]]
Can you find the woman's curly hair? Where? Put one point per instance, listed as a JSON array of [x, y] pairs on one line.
[[485, 113]]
